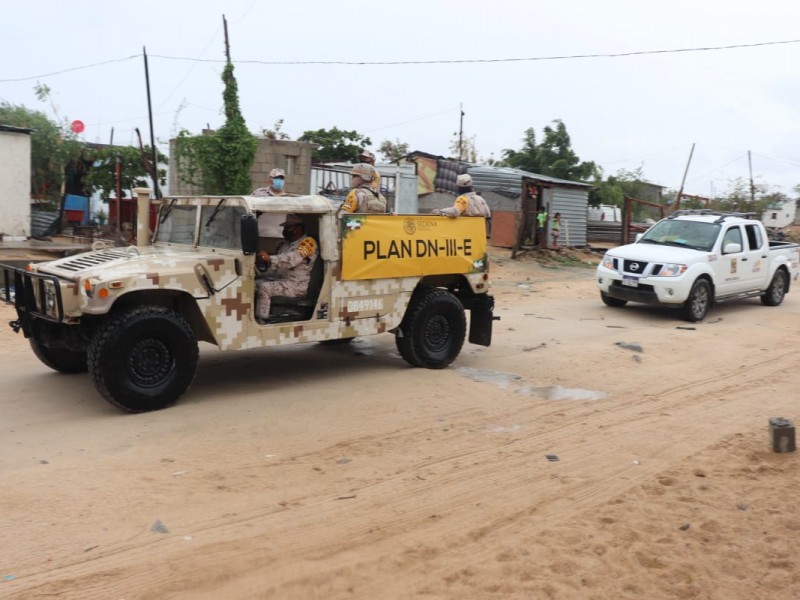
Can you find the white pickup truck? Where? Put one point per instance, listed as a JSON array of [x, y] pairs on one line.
[[692, 259]]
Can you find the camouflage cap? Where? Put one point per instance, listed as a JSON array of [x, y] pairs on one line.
[[464, 180], [364, 170], [292, 219], [367, 156], [277, 173]]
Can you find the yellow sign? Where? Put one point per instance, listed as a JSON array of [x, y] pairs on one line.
[[381, 246]]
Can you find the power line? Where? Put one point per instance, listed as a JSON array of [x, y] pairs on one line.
[[412, 62], [105, 62], [486, 60]]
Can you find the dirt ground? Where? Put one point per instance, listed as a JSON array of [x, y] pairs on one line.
[[328, 472]]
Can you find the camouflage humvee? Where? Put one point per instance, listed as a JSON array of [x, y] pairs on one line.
[[133, 316]]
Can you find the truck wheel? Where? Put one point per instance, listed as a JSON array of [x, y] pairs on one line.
[[776, 290], [611, 301], [144, 358], [699, 301], [433, 329], [59, 359]]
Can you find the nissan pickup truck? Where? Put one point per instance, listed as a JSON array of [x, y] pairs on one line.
[[693, 259], [133, 316]]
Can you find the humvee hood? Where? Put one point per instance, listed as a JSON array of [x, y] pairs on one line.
[[119, 262]]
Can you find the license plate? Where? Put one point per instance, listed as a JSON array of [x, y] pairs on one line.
[[630, 281]]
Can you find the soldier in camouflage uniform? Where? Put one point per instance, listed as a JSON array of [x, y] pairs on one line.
[[277, 179], [368, 157], [362, 198], [468, 203], [287, 272]]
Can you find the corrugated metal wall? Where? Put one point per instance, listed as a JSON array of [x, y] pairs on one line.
[[573, 205]]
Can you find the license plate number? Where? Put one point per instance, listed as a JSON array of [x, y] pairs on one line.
[[630, 281]]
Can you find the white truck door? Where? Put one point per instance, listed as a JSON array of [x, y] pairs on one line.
[[755, 262], [730, 267]]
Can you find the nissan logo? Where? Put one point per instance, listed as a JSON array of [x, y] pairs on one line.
[[634, 266]]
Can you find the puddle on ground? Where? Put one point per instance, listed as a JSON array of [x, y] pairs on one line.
[[517, 383]]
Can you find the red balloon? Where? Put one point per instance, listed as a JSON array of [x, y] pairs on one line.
[[77, 126]]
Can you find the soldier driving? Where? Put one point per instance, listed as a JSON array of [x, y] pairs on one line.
[[287, 272]]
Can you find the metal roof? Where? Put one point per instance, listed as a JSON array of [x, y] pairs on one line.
[[507, 180]]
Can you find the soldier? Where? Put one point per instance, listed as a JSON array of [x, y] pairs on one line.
[[368, 157], [468, 203], [362, 198], [287, 272], [277, 179]]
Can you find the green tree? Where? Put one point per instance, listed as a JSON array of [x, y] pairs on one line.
[[102, 176], [219, 163], [554, 156], [335, 145], [53, 146], [393, 151], [276, 132], [465, 148]]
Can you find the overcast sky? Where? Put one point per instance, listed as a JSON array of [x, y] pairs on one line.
[[624, 112]]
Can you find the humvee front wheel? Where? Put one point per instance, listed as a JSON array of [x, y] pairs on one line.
[[143, 358], [59, 359], [433, 329]]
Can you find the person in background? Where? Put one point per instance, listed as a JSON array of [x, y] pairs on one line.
[[555, 228], [288, 271], [467, 204], [277, 181], [362, 198], [541, 225], [368, 157]]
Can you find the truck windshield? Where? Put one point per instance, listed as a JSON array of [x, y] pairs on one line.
[[177, 224], [689, 234]]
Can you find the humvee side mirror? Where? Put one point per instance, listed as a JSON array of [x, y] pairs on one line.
[[249, 234]]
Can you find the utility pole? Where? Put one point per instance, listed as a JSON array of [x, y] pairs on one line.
[[227, 44], [460, 132], [683, 182], [752, 187]]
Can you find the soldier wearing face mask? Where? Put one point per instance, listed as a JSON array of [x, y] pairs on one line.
[[277, 181], [288, 271]]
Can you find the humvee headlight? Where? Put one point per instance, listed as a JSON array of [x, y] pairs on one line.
[[50, 305]]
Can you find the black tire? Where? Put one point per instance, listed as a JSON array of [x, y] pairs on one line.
[[776, 290], [611, 301], [144, 358], [433, 329], [337, 341], [59, 359], [698, 303]]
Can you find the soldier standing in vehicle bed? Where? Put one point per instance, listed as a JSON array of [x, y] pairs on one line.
[[287, 272], [467, 204], [368, 157], [362, 198], [277, 180]]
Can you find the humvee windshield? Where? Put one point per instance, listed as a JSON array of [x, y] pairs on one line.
[[220, 225]]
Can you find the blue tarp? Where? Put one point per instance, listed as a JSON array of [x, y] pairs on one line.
[[74, 202]]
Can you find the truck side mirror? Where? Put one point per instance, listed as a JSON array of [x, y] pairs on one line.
[[249, 234], [732, 248]]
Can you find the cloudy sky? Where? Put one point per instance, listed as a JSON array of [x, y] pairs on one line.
[[645, 109]]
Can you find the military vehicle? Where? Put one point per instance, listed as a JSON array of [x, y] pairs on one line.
[[132, 316]]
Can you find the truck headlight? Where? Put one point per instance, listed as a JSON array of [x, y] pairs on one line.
[[608, 263], [672, 270]]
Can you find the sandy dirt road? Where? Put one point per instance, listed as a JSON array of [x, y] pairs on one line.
[[339, 472]]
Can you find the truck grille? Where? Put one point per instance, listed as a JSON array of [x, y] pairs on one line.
[[634, 266]]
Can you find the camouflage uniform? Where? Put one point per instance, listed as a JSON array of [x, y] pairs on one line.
[[364, 199], [288, 273], [266, 191], [467, 205]]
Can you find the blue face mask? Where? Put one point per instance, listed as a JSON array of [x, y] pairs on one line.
[[277, 184]]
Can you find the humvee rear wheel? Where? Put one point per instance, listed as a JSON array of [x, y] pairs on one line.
[[59, 359], [144, 358], [433, 329]]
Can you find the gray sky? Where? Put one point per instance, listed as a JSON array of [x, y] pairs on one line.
[[622, 112]]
